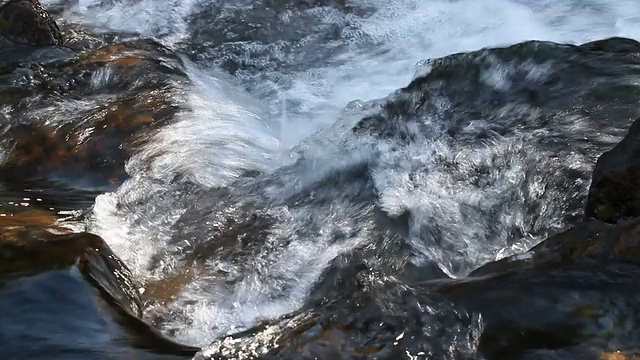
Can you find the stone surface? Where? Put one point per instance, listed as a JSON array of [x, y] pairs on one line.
[[116, 96], [26, 22], [615, 188], [586, 305]]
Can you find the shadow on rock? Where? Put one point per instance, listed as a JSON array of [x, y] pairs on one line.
[[615, 189]]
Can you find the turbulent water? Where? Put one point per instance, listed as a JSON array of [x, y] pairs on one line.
[[295, 155]]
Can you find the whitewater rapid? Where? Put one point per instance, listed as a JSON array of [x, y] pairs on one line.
[[229, 130]]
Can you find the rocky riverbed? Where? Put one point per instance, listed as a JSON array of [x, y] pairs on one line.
[[487, 209]]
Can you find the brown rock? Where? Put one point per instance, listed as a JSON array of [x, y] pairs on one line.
[[615, 188], [12, 220], [565, 292], [31, 250], [26, 22], [126, 93], [617, 355]]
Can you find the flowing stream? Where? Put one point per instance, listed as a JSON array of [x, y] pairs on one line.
[[275, 90]]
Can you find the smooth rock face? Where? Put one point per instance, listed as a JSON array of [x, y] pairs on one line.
[[26, 22], [571, 308], [615, 188], [28, 247]]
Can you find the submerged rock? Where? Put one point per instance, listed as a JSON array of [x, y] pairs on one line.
[[80, 121], [615, 188], [26, 22]]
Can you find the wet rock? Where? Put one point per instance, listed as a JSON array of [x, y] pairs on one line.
[[33, 240], [617, 355], [615, 188], [26, 22], [113, 98], [114, 280], [367, 328], [593, 240], [578, 294], [26, 248], [586, 304], [358, 310]]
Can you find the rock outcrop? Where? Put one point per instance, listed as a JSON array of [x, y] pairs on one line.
[[580, 292], [123, 94], [615, 188], [26, 22], [32, 243]]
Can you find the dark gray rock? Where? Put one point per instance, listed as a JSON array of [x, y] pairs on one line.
[[26, 22], [615, 188]]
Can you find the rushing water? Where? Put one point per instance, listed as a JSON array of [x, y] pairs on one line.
[[276, 88]]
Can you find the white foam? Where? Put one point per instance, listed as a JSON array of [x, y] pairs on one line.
[[273, 284], [165, 19], [222, 135], [385, 47]]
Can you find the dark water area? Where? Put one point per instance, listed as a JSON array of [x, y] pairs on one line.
[[55, 315], [319, 179]]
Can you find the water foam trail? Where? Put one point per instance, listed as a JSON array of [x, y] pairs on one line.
[[219, 137], [165, 20]]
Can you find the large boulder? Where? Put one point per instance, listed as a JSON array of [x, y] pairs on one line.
[[580, 294], [615, 188], [574, 311], [26, 22]]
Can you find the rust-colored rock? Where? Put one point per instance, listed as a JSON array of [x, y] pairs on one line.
[[615, 188], [123, 94], [616, 355], [163, 290], [26, 22], [18, 220]]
